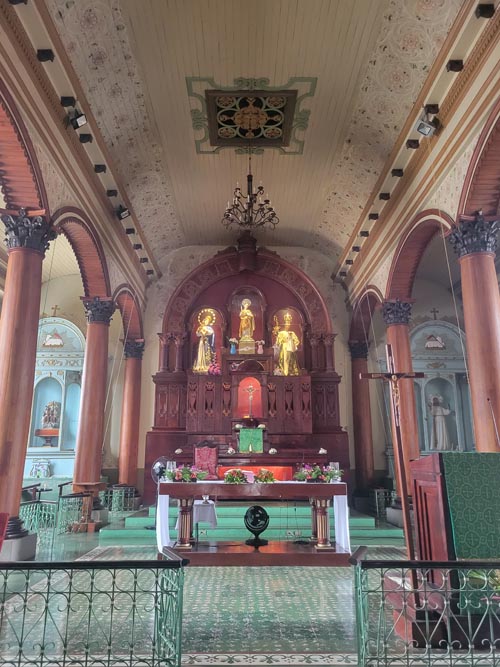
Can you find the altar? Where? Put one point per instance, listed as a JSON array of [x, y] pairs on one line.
[[321, 496], [246, 367]]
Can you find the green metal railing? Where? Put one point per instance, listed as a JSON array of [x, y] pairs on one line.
[[70, 511], [119, 499], [40, 517], [91, 614], [423, 613]]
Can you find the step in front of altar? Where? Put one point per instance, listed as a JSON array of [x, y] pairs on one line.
[[287, 522]]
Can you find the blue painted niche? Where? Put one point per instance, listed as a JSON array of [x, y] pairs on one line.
[[58, 378]]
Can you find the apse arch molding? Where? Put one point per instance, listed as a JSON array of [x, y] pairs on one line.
[[481, 190], [363, 311], [414, 241], [83, 238], [127, 302], [21, 181]]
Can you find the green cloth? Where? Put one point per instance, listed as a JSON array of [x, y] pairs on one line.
[[473, 491], [251, 440]]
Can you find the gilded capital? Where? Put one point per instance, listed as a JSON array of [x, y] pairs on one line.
[[396, 312], [477, 235], [24, 231], [133, 349], [359, 349], [99, 309]]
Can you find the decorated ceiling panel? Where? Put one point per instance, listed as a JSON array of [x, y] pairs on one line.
[[360, 65]]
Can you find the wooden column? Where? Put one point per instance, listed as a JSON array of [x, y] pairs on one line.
[[131, 410], [95, 374], [179, 340], [475, 242], [361, 415], [163, 361], [328, 340], [314, 342], [27, 239], [397, 316]]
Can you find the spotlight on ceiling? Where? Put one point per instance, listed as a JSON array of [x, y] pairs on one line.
[[45, 55], [373, 216], [18, 2], [68, 101], [129, 230], [143, 260], [122, 212], [137, 246], [413, 144], [343, 274], [454, 65], [85, 138], [150, 272], [384, 196], [100, 168], [349, 262], [77, 119], [112, 193], [397, 173], [427, 125], [364, 233], [485, 10]]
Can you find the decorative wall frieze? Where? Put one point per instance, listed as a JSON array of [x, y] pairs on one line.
[[24, 231], [99, 310], [477, 235], [396, 312]]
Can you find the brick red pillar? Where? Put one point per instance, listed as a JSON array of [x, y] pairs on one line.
[[475, 242], [27, 239], [131, 410], [361, 415]]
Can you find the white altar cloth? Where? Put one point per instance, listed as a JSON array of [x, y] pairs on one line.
[[340, 510]]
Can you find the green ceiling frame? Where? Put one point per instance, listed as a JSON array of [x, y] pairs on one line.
[[197, 85]]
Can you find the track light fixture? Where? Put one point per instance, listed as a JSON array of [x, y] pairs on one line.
[[149, 272], [384, 196], [77, 119], [373, 216], [397, 173], [143, 260], [413, 144], [122, 212], [100, 168], [129, 230], [485, 10], [85, 138], [454, 65], [112, 193], [349, 262], [364, 233], [137, 246]]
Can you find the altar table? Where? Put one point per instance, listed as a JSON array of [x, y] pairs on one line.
[[319, 496]]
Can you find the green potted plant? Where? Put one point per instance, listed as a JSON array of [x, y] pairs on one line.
[[186, 474], [264, 476], [235, 476]]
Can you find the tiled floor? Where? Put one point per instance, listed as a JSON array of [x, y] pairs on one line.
[[266, 615]]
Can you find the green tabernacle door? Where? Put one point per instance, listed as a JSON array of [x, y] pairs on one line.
[[251, 440]]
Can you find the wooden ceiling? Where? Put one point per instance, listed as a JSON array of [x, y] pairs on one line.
[[369, 57]]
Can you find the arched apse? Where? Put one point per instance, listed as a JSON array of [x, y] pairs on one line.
[[20, 175], [362, 314], [89, 253], [128, 304], [417, 236], [481, 188]]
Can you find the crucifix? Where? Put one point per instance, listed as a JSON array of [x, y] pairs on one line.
[[393, 378], [250, 391], [54, 310], [435, 311]]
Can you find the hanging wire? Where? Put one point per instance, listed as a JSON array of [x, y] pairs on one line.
[[113, 378], [53, 252]]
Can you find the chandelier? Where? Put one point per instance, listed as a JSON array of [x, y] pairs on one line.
[[251, 210]]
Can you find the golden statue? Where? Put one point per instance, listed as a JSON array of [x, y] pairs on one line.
[[287, 343], [247, 327], [206, 347]]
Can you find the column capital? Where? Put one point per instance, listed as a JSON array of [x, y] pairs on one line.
[[396, 312], [359, 349], [133, 349], [313, 339], [329, 338], [476, 235], [179, 338], [98, 309], [24, 231]]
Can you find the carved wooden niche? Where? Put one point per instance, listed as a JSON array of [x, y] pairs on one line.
[[206, 337]]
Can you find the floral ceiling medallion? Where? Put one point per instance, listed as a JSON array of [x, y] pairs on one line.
[[250, 116]]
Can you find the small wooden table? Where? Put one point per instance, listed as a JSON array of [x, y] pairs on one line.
[[319, 495]]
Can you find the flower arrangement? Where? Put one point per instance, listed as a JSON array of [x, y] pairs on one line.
[[317, 473], [186, 474], [235, 476], [214, 368], [264, 476]]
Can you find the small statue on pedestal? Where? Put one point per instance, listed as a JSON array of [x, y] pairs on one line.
[[247, 327]]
